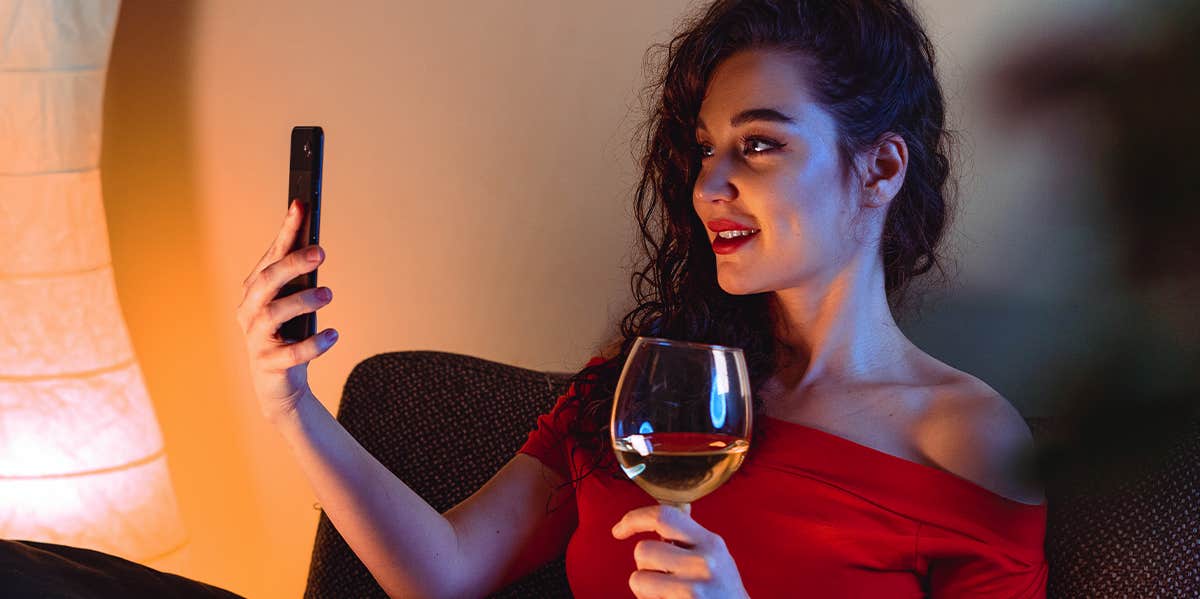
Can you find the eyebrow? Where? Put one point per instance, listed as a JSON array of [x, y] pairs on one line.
[[754, 114]]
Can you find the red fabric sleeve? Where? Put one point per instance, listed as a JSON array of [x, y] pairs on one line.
[[964, 567], [546, 441]]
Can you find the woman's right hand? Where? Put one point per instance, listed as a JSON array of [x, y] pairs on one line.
[[278, 369]]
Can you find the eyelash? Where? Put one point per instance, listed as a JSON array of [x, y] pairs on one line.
[[743, 141]]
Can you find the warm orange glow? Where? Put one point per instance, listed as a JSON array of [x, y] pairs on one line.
[[81, 455]]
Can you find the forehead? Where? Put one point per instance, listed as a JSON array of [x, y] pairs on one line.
[[756, 78]]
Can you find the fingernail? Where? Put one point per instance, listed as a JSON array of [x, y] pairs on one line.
[[324, 294], [314, 254], [329, 336]]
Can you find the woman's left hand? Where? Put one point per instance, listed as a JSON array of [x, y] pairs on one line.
[[699, 566]]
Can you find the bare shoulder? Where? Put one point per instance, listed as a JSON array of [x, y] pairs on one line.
[[970, 430]]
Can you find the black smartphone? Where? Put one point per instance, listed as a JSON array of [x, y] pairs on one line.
[[304, 184]]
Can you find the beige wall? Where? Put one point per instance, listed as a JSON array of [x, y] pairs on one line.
[[476, 200], [477, 162]]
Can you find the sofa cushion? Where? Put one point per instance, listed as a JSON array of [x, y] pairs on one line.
[[30, 569]]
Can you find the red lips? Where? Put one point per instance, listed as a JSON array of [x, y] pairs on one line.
[[723, 224]]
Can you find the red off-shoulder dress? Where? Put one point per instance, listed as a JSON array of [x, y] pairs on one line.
[[812, 514]]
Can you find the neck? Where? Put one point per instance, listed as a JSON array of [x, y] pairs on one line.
[[838, 331]]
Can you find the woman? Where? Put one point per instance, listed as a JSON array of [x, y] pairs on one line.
[[816, 128]]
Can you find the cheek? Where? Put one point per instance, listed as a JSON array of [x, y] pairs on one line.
[[810, 230]]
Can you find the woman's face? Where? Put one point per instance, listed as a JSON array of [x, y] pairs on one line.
[[780, 177]]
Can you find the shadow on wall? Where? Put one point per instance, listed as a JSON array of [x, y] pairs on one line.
[[1015, 344], [1138, 392], [1119, 367], [151, 201]]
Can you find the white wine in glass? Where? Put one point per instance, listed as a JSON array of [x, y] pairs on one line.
[[682, 418]]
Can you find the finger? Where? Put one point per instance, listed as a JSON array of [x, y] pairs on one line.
[[647, 585], [283, 240], [669, 522], [286, 234], [665, 557], [274, 314], [266, 286], [286, 356]]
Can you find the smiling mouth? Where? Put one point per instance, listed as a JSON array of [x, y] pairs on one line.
[[728, 245]]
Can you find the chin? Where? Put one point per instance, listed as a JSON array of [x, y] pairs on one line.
[[735, 286]]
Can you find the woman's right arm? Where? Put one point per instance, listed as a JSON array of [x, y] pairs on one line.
[[498, 533], [411, 549]]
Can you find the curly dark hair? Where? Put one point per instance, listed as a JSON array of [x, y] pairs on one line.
[[871, 66]]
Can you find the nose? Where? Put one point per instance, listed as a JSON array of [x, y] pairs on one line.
[[712, 186]]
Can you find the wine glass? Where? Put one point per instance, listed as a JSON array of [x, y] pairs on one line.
[[681, 418]]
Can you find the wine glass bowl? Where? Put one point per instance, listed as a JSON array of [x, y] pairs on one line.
[[682, 417]]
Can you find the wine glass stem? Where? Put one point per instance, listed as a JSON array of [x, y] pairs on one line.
[[687, 509]]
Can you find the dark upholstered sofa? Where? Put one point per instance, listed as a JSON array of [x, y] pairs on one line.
[[422, 412], [445, 423]]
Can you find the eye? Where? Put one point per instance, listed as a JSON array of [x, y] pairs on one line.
[[748, 144]]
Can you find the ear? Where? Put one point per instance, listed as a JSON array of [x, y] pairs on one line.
[[883, 170]]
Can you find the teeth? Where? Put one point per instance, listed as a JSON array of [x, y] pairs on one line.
[[733, 234]]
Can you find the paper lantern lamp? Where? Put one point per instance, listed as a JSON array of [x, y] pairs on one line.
[[81, 454]]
